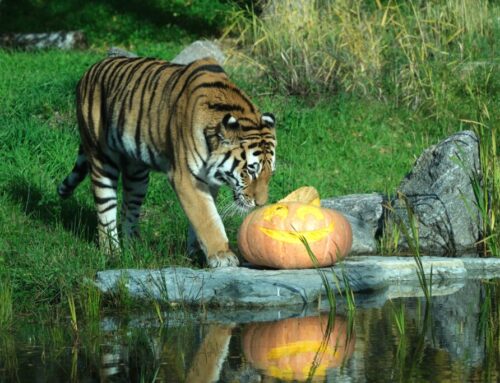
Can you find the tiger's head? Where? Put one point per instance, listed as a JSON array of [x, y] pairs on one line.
[[244, 158]]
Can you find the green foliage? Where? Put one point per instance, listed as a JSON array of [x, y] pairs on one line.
[[106, 22]]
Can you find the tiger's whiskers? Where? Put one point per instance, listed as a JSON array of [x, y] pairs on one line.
[[229, 210]]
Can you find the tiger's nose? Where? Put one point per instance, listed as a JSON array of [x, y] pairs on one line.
[[261, 200]]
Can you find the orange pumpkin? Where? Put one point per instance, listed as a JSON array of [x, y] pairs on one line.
[[272, 235], [296, 348]]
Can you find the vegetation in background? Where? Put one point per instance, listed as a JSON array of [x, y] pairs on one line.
[[112, 21], [408, 50], [438, 58]]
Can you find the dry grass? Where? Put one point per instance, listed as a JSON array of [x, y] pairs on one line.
[[401, 48]]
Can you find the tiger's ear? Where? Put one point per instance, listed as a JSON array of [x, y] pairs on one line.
[[268, 120], [228, 124]]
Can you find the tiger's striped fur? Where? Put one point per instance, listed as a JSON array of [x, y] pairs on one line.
[[188, 121]]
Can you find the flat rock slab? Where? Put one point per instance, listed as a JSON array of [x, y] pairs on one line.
[[247, 287]]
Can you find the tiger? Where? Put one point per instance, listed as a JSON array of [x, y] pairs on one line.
[[139, 114]]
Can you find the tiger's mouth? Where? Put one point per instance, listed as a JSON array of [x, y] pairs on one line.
[[245, 204]]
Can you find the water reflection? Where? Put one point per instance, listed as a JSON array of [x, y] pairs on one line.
[[454, 340], [299, 348]]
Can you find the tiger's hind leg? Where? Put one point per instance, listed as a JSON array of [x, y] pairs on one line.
[[77, 175], [105, 172], [135, 179]]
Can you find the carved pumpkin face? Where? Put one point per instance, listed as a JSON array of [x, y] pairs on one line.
[[280, 211], [295, 348], [271, 236]]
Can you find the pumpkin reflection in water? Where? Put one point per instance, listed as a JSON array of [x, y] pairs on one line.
[[298, 348]]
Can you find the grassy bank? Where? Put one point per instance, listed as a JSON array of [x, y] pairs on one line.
[[341, 139]]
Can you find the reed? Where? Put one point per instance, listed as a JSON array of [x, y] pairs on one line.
[[487, 189], [349, 295], [9, 361], [411, 233], [391, 236], [330, 295], [72, 312], [6, 304], [90, 300], [158, 311], [399, 318]]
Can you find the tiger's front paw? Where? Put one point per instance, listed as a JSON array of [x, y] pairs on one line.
[[223, 259]]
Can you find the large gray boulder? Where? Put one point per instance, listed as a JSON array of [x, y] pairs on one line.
[[439, 194]]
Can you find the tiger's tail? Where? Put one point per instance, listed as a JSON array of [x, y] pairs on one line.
[[77, 175]]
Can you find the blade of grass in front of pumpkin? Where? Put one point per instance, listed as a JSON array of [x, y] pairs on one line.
[[329, 291]]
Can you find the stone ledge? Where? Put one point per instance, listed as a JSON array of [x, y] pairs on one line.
[[247, 287]]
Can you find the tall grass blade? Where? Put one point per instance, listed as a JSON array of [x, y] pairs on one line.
[[72, 312], [330, 295], [6, 304], [412, 238]]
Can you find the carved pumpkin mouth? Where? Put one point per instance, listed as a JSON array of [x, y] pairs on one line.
[[296, 236]]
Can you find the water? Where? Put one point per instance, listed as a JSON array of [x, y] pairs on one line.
[[456, 340]]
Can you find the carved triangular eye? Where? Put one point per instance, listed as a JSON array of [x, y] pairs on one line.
[[268, 119], [230, 122]]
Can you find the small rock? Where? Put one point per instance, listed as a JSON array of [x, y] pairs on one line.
[[198, 50], [119, 52]]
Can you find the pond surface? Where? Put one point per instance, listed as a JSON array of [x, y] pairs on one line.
[[399, 340]]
